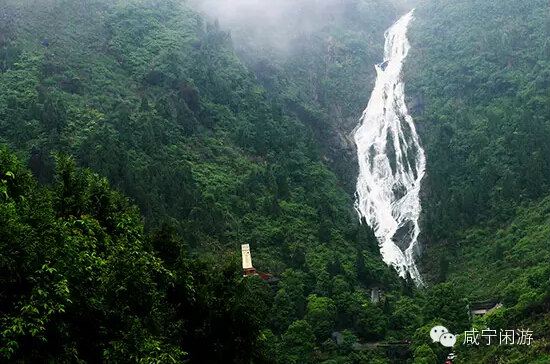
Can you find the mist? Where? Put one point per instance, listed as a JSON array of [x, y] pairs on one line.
[[281, 25]]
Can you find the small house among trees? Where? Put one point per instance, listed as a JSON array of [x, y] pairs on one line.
[[481, 308]]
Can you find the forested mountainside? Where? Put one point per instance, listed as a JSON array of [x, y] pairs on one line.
[[151, 96], [221, 136], [316, 58], [82, 282], [148, 95], [479, 88]]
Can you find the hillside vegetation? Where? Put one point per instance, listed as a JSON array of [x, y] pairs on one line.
[[151, 96], [220, 138], [479, 79], [479, 87], [320, 64]]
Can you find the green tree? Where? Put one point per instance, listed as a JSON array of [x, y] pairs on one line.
[[283, 312], [446, 302], [406, 317], [371, 323], [298, 343], [321, 315], [424, 355]]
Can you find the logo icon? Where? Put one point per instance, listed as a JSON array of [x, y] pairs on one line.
[[448, 340], [440, 334]]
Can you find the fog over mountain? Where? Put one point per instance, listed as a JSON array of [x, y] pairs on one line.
[[279, 25]]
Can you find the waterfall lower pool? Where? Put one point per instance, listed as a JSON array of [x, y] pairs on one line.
[[391, 160]]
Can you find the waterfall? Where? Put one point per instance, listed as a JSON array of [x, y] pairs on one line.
[[391, 160]]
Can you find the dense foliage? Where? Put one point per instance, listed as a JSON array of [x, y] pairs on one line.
[[147, 95], [214, 152], [153, 98], [320, 66], [82, 282], [479, 79], [479, 87]]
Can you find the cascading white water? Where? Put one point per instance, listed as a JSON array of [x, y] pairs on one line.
[[391, 160]]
